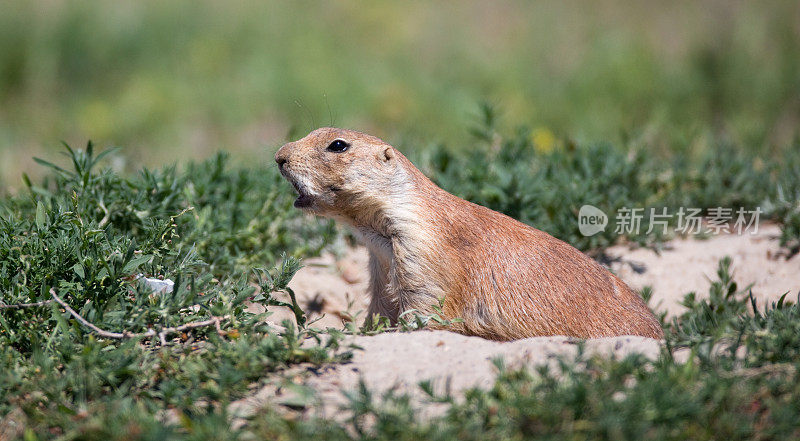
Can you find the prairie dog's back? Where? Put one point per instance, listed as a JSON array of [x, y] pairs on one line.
[[521, 282]]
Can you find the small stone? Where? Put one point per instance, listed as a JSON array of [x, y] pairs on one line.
[[157, 285]]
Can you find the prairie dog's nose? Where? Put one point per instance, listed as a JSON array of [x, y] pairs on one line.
[[281, 156]]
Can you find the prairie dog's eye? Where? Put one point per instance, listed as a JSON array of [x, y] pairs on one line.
[[338, 146]]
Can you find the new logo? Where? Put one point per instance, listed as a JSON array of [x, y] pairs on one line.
[[591, 220]]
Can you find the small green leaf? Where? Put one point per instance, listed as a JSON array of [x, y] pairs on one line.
[[781, 300], [53, 166], [136, 262], [106, 152], [30, 435], [41, 216], [78, 268], [66, 410]]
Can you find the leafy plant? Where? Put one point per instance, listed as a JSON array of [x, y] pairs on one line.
[[80, 330]]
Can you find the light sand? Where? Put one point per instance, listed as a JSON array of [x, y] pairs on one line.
[[688, 265]]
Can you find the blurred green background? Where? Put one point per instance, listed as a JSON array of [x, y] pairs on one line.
[[178, 79]]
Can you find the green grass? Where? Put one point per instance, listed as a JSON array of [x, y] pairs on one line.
[[84, 232]]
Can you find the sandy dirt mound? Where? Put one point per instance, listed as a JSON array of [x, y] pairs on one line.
[[452, 362], [334, 289]]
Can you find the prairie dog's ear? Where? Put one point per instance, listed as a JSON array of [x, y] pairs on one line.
[[388, 154]]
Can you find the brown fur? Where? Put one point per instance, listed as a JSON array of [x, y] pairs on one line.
[[505, 279]]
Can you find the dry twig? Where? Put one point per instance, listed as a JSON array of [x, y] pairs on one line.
[[26, 305], [162, 333]]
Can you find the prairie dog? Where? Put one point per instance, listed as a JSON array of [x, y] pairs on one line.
[[505, 279]]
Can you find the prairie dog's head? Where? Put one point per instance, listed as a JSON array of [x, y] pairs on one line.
[[335, 170]]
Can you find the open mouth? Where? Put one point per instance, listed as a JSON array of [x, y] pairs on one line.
[[304, 198], [303, 201]]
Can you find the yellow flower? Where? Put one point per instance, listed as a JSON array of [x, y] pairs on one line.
[[543, 140]]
